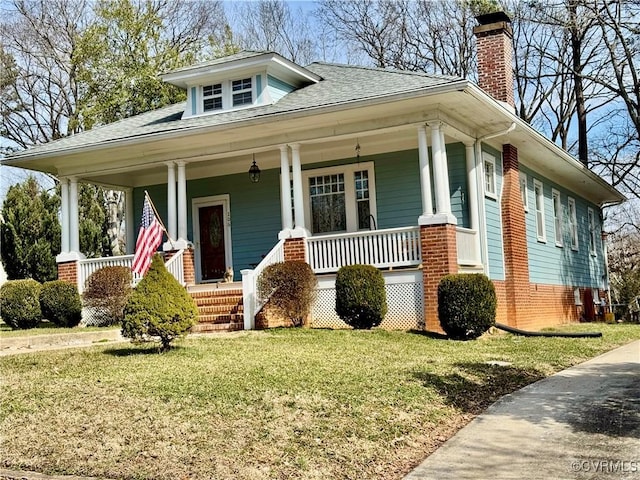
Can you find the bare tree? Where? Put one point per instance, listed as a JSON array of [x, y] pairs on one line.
[[271, 25]]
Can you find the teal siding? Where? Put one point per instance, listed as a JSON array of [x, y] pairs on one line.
[[458, 191], [194, 101], [493, 219], [553, 265], [255, 208], [255, 211], [278, 88], [259, 87]]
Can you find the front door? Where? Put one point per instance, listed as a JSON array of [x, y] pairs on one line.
[[212, 238]]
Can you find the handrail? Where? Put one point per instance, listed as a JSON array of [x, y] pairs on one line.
[[175, 266], [250, 300]]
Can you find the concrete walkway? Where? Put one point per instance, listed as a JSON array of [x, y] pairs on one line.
[[582, 423], [54, 341]]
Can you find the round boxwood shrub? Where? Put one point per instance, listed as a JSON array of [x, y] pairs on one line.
[[106, 293], [60, 303], [361, 299], [20, 303], [158, 307], [466, 305], [290, 288]]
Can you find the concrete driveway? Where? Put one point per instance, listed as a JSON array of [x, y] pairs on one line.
[[582, 423]]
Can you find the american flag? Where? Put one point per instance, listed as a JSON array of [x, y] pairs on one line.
[[149, 239]]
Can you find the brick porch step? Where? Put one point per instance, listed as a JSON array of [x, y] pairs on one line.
[[219, 307]]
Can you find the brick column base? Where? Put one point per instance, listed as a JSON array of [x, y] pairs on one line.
[[439, 258], [68, 271], [188, 264], [295, 249]]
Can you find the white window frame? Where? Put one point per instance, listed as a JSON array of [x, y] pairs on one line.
[[226, 95], [524, 192], [591, 223], [351, 206], [573, 223], [541, 230], [204, 97], [556, 201], [490, 184]]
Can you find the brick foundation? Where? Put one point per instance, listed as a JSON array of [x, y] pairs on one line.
[[294, 249], [189, 267], [439, 258], [68, 271]]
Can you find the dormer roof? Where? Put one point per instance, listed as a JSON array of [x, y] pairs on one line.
[[239, 64]]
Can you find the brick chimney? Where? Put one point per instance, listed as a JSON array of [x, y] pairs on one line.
[[494, 43]]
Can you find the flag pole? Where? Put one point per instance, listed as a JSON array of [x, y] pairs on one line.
[[148, 197]]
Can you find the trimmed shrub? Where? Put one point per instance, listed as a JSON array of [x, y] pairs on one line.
[[106, 293], [158, 307], [20, 303], [466, 305], [60, 303], [291, 289], [361, 299]]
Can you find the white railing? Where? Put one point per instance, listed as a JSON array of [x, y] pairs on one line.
[[87, 266], [468, 247], [175, 266], [394, 247], [250, 300]]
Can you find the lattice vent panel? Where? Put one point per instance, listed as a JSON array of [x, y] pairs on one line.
[[405, 308]]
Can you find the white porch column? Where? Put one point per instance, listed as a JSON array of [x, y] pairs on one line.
[[298, 203], [172, 217], [64, 214], [74, 217], [182, 206], [472, 186], [425, 173], [440, 179], [129, 221], [285, 189]]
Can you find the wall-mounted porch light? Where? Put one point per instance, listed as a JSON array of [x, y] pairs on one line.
[[254, 171]]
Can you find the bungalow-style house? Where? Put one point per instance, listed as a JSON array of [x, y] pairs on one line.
[[420, 175]]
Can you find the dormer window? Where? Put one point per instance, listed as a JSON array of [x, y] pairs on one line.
[[242, 92], [212, 97]]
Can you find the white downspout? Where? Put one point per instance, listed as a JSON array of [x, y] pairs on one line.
[[482, 219]]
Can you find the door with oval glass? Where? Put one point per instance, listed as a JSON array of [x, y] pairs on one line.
[[213, 238]]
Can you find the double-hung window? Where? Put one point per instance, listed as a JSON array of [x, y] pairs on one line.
[[212, 97], [241, 92], [591, 218], [489, 162], [340, 199], [539, 199], [557, 216], [573, 222]]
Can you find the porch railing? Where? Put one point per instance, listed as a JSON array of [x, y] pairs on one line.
[[252, 303], [87, 266], [468, 247], [394, 247]]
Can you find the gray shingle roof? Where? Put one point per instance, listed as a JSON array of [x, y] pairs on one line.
[[340, 84]]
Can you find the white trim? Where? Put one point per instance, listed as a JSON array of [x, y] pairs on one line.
[[524, 192], [212, 201], [573, 223], [349, 190], [539, 208], [558, 219], [591, 228], [492, 192]]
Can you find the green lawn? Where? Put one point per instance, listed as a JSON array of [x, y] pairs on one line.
[[295, 404], [47, 328]]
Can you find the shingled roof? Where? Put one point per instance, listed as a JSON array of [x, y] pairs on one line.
[[340, 84]]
